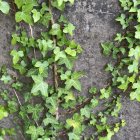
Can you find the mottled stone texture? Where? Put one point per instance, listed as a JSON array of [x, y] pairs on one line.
[[95, 23]]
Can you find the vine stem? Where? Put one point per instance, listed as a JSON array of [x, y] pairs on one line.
[[21, 105], [54, 65], [31, 32], [54, 41]]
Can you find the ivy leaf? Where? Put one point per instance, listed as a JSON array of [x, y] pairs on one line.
[[55, 30], [23, 16], [70, 52], [6, 78], [45, 46], [4, 7], [133, 67], [75, 123], [73, 83], [126, 4], [59, 54], [135, 94], [93, 90], [107, 48], [51, 102], [3, 112], [19, 3], [105, 93], [35, 132], [94, 102], [42, 66], [16, 56], [60, 2], [122, 20], [67, 61], [119, 37], [36, 15], [138, 15], [137, 33], [73, 136], [50, 120], [35, 111], [69, 29], [39, 86], [135, 52], [69, 97], [85, 111], [124, 82]]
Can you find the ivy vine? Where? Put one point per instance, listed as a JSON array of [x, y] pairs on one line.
[[43, 91]]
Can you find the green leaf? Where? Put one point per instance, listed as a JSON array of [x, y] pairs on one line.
[[73, 83], [35, 111], [39, 86], [3, 112], [133, 67], [75, 123], [69, 97], [50, 120], [73, 136], [23, 16], [124, 82], [107, 48], [105, 93], [6, 79], [59, 54], [55, 30], [93, 90], [138, 15], [16, 56], [69, 29], [67, 61], [137, 33], [85, 111], [45, 46], [36, 15], [123, 21], [94, 102], [135, 94], [42, 66], [19, 3], [135, 52], [35, 132], [60, 2], [4, 7], [70, 52], [125, 4]]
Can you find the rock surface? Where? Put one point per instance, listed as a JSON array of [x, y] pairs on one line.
[[95, 23]]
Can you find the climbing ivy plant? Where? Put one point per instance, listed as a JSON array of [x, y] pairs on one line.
[[4, 7], [43, 87]]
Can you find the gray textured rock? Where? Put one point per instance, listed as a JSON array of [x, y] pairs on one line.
[[94, 20]]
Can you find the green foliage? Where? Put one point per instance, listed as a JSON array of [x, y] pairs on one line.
[[125, 74], [4, 7], [3, 112], [39, 86], [107, 48], [51, 106], [35, 132]]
